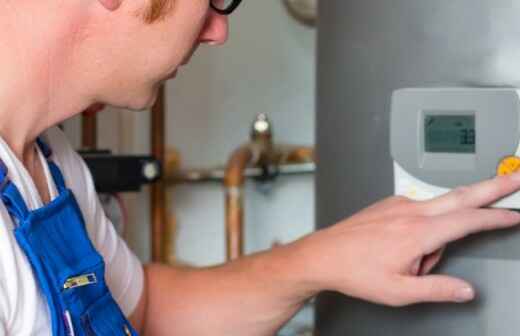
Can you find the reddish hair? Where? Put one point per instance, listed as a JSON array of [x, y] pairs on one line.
[[157, 10]]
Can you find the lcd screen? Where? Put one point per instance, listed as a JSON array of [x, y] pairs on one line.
[[449, 133]]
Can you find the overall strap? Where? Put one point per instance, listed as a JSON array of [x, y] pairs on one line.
[[55, 170], [46, 150], [11, 196]]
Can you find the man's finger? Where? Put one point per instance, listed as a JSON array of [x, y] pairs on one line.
[[430, 261], [434, 288], [441, 230], [474, 196]]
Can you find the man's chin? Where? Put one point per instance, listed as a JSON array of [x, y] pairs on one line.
[[148, 101], [153, 99], [142, 106]]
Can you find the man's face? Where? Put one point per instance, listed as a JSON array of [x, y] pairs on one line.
[[136, 55]]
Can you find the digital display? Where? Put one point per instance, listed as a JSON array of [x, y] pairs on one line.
[[449, 133]]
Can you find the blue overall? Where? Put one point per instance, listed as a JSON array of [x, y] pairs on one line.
[[69, 270]]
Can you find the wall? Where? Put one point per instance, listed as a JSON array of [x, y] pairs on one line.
[[267, 66]]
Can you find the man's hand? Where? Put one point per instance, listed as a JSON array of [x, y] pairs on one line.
[[384, 253]]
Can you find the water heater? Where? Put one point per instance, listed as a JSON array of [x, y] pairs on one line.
[[442, 138], [448, 69]]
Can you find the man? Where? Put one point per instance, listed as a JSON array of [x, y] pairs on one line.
[[60, 57]]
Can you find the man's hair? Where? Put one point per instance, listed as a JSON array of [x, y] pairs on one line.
[[157, 10]]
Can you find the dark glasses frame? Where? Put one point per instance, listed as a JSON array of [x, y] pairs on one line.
[[226, 11]]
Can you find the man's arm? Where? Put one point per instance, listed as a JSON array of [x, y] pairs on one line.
[[252, 296], [384, 254]]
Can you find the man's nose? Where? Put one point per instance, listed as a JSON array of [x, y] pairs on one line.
[[216, 29]]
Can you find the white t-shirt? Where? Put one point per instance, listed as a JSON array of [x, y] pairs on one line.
[[23, 308]]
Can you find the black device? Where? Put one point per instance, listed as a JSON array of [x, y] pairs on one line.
[[121, 173]]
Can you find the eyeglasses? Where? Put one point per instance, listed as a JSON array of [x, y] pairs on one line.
[[225, 7]]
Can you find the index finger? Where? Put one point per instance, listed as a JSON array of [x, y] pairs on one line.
[[474, 196]]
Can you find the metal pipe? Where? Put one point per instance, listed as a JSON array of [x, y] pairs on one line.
[[250, 160], [299, 155], [158, 211], [89, 126], [171, 164], [260, 152], [234, 186], [218, 174], [89, 131]]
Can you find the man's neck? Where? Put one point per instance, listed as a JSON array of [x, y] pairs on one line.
[[43, 86], [29, 107]]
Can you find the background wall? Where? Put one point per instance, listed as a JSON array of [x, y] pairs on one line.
[[267, 66]]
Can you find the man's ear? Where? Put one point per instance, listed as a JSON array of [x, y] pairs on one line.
[[111, 4]]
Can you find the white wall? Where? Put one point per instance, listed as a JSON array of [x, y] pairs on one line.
[[267, 66]]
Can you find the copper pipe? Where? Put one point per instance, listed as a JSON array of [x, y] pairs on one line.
[[234, 185], [260, 152], [89, 126], [89, 131], [299, 155], [158, 210]]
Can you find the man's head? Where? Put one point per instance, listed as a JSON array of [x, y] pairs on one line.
[[111, 51], [143, 42]]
